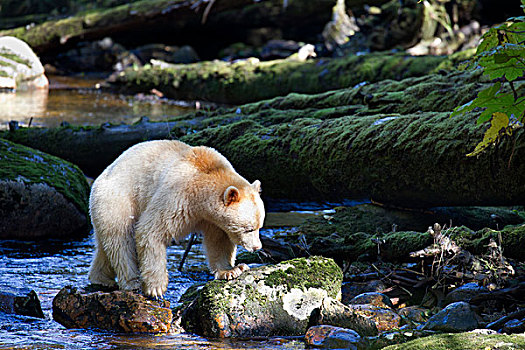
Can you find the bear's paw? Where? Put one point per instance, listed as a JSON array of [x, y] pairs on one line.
[[231, 274]]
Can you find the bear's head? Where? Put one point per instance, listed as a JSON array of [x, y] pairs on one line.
[[242, 215]]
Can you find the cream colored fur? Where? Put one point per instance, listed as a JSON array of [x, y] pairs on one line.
[[157, 191]]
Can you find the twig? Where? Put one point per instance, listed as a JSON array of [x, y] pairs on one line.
[[207, 11], [188, 248]]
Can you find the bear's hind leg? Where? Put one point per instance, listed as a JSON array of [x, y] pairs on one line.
[[220, 252], [101, 271], [115, 239], [124, 261], [151, 253]]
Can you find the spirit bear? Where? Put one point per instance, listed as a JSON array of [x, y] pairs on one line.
[[157, 191]]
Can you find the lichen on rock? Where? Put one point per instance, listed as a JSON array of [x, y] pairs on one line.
[[264, 301]]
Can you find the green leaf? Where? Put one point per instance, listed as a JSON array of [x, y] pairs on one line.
[[484, 117], [501, 58], [483, 99], [489, 41]]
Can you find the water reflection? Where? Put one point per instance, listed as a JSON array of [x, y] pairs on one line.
[[22, 105], [76, 101]]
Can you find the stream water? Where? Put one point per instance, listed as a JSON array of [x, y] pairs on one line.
[[49, 265], [76, 101]]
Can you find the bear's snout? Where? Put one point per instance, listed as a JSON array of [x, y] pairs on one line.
[[257, 247], [252, 242]]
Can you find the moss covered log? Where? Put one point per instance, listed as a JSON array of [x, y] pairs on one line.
[[179, 22], [391, 141], [251, 80], [365, 232]]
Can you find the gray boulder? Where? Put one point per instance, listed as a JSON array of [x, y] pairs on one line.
[[264, 301], [456, 317], [20, 68]]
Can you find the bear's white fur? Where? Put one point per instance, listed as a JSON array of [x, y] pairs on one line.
[[157, 191]]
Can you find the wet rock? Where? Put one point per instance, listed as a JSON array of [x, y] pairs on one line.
[[166, 53], [349, 290], [20, 302], [120, 311], [331, 337], [364, 319], [414, 314], [464, 293], [514, 326], [375, 299], [269, 300], [35, 190], [96, 56], [20, 68], [456, 317]]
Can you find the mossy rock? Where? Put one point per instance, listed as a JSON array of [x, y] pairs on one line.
[[366, 231], [377, 219], [464, 341], [41, 195], [265, 301]]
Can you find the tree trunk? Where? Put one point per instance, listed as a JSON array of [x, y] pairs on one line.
[[391, 141]]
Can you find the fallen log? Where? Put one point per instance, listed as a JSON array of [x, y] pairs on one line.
[[250, 80], [211, 24], [391, 141]]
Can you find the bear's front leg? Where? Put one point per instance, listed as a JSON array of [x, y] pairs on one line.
[[220, 252], [151, 255]]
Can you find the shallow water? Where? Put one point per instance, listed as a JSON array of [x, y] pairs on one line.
[[49, 265], [76, 101]]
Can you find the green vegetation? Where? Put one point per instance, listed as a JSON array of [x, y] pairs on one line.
[[501, 55], [59, 31], [306, 273], [463, 341]]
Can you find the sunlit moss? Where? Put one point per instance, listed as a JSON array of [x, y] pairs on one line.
[[464, 341], [247, 81]]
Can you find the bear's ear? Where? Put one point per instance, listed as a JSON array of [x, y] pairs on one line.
[[231, 195], [257, 186]]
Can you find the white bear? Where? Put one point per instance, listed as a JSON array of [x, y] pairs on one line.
[[157, 191]]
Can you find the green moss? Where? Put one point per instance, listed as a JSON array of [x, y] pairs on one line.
[[246, 81], [463, 341], [9, 55], [20, 163], [512, 240], [305, 273]]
